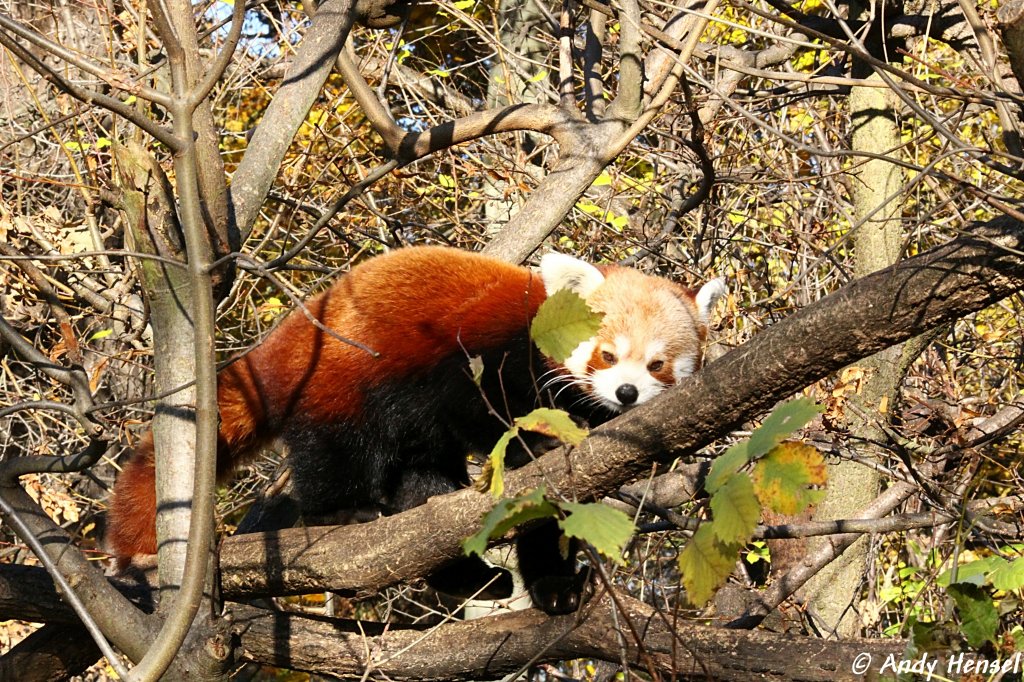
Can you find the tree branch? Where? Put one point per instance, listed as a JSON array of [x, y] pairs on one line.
[[628, 99], [502, 644], [307, 74], [492, 645], [53, 652], [76, 60], [825, 553], [128, 628]]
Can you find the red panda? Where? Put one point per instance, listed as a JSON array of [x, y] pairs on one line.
[[390, 428]]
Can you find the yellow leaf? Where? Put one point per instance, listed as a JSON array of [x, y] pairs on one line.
[[786, 479]]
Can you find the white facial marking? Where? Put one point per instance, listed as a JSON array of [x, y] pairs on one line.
[[622, 347], [683, 367], [578, 359], [653, 350]]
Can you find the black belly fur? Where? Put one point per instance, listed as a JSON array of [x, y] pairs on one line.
[[411, 442]]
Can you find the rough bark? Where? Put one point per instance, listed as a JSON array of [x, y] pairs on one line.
[[27, 593], [503, 644], [877, 186]]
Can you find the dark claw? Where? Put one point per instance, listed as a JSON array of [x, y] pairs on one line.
[[557, 595]]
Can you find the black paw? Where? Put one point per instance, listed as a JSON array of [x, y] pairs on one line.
[[557, 595]]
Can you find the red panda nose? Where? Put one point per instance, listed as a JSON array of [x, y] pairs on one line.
[[627, 394]]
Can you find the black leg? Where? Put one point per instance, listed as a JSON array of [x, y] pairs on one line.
[[549, 574]]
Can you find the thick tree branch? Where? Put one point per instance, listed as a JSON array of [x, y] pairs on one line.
[[492, 645], [628, 100], [502, 644], [306, 76], [566, 91], [27, 593], [375, 112]]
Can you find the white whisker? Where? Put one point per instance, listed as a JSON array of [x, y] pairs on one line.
[[581, 384]]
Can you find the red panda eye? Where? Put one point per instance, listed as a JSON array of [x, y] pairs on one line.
[[655, 366], [608, 357]]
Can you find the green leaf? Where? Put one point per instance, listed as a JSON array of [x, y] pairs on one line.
[[705, 563], [783, 480], [539, 76], [1008, 575], [563, 321], [446, 181], [607, 529], [736, 510], [978, 615], [973, 572], [101, 334], [780, 424], [1017, 634], [507, 514], [758, 551], [555, 423], [464, 4], [726, 465]]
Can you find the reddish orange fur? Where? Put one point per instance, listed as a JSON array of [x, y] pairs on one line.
[[131, 521], [414, 307]]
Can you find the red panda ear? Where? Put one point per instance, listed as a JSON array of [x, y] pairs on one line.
[[708, 296], [565, 272]]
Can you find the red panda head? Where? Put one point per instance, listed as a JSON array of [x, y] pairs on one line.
[[651, 337]]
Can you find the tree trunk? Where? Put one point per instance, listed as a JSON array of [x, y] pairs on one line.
[[877, 189]]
